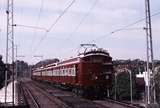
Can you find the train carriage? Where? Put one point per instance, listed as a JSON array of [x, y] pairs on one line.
[[88, 74]]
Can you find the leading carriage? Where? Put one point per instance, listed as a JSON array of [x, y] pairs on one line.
[[89, 74]]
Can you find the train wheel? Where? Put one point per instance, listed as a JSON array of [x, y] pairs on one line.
[[74, 90], [80, 92]]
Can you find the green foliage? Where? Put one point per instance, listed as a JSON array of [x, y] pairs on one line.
[[2, 73], [123, 87], [157, 82], [123, 80]]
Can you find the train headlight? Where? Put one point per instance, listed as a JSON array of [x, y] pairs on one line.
[[96, 77], [107, 76]]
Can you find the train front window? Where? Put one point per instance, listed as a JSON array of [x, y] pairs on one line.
[[106, 69]]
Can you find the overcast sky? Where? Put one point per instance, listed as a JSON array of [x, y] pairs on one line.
[[84, 22]]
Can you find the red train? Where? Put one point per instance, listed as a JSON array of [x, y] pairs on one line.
[[88, 74]]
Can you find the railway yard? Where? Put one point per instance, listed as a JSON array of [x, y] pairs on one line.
[[36, 95]]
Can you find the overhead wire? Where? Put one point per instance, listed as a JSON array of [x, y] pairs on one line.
[[103, 36], [123, 28], [30, 26], [54, 23], [83, 19], [37, 23], [40, 10], [59, 17], [81, 22]]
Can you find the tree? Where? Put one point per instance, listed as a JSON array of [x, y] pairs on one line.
[[2, 72], [157, 83]]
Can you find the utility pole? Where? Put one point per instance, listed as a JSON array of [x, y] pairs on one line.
[[115, 87], [16, 63], [151, 95], [131, 86], [9, 47]]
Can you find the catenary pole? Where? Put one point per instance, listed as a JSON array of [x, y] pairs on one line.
[[151, 96], [9, 48]]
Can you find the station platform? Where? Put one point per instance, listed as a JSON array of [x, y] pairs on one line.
[[9, 99]]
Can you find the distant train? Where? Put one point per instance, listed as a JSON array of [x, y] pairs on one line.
[[89, 74]]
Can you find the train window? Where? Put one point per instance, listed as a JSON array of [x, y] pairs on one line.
[[59, 72], [46, 73], [56, 72], [63, 72], [53, 73], [66, 72], [50, 73], [70, 71], [42, 73]]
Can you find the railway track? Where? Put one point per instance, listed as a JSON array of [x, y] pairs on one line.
[[116, 104], [69, 98], [59, 98], [31, 100], [107, 103], [40, 94], [35, 98]]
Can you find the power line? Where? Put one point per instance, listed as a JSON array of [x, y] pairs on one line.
[[37, 22], [59, 17], [30, 26], [55, 22], [40, 10], [123, 28], [82, 20]]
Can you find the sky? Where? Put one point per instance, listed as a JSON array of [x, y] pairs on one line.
[[86, 21]]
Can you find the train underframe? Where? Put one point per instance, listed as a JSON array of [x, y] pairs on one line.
[[89, 92]]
